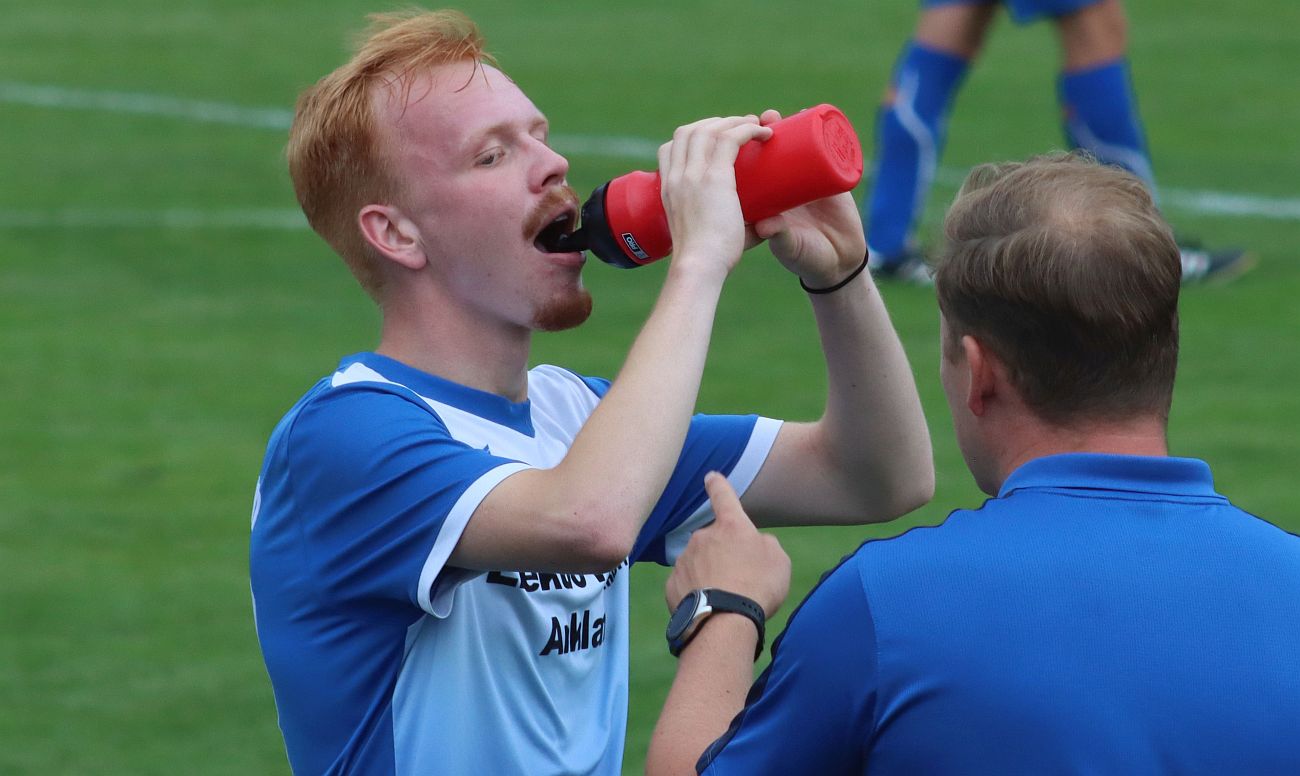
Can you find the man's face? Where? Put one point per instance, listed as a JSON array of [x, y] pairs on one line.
[[480, 183], [954, 374]]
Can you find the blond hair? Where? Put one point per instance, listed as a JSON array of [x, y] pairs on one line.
[[336, 153], [1065, 269]]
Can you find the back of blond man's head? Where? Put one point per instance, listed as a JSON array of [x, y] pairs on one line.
[[1066, 270], [336, 152]]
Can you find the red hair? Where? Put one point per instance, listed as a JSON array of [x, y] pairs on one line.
[[336, 151]]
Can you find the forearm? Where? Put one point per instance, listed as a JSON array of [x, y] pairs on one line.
[[713, 677], [584, 514], [874, 429], [627, 449], [868, 458]]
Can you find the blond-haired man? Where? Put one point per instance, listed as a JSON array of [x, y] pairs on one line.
[[440, 532]]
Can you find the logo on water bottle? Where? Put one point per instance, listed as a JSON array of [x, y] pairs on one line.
[[841, 140], [634, 246]]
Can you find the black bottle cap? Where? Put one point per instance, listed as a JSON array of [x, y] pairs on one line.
[[600, 239]]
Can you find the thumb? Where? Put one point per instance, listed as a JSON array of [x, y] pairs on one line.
[[726, 504], [770, 226]]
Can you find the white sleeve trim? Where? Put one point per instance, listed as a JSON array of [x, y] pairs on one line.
[[449, 535], [741, 477], [760, 444]]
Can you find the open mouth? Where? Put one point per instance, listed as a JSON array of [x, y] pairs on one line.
[[551, 239]]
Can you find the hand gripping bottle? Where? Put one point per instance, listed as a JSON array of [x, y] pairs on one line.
[[811, 155]]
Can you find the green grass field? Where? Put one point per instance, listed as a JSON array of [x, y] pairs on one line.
[[160, 306]]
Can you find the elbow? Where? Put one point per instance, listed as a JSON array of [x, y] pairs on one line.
[[914, 489], [602, 553], [595, 540], [915, 493], [905, 491]]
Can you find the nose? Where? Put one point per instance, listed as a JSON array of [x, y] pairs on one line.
[[551, 167]]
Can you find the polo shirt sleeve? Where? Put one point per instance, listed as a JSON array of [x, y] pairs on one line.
[[383, 493], [813, 709], [736, 446]]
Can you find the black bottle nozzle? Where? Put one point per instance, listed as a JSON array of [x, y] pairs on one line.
[[596, 234], [573, 241]]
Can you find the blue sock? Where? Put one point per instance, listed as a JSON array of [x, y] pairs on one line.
[[909, 138], [1101, 117]]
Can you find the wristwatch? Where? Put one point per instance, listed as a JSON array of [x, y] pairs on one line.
[[696, 607]]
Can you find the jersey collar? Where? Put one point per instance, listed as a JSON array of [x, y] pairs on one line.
[[489, 406], [1186, 477]]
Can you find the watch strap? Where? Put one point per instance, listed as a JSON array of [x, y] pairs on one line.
[[718, 600]]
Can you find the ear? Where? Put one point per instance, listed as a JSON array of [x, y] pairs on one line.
[[392, 234], [983, 375]]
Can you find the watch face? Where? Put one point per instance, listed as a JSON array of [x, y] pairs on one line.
[[696, 607], [685, 614]]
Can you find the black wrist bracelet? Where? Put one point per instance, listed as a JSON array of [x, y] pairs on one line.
[[838, 285]]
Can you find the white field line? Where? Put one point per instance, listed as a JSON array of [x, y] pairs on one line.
[[1215, 203], [276, 219], [635, 149], [145, 105]]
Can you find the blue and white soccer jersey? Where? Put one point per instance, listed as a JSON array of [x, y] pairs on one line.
[[386, 661]]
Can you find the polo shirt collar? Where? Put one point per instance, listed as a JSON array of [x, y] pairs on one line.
[[1188, 477]]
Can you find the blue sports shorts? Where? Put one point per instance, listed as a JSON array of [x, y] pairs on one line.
[[1023, 11]]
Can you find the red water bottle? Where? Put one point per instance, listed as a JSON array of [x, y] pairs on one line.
[[809, 156]]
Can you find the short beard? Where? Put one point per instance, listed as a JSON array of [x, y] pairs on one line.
[[564, 312]]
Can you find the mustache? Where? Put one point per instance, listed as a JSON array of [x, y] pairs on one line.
[[558, 198]]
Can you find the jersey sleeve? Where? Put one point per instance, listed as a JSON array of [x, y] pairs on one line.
[[383, 493], [736, 446], [812, 710]]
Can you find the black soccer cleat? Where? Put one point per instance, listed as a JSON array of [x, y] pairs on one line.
[[911, 268], [1218, 266]]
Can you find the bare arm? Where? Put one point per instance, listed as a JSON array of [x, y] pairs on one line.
[[716, 668], [708, 691], [868, 458], [585, 513]]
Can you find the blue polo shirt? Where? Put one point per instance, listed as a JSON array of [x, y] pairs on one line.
[[1104, 614]]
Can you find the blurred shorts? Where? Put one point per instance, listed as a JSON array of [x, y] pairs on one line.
[[1023, 11]]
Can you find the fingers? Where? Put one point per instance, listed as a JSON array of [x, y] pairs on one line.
[[726, 504], [697, 172], [717, 145], [769, 117], [822, 240], [696, 145], [731, 554], [769, 226]]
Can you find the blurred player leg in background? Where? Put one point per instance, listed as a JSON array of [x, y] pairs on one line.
[[910, 129], [1100, 113], [1096, 95]]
